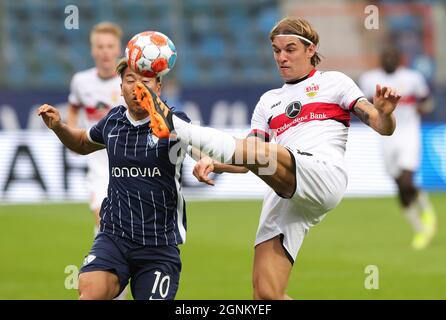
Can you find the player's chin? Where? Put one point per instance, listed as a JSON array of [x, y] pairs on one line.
[[286, 74], [139, 110]]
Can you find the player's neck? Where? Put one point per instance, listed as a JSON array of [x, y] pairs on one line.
[[106, 74], [136, 116], [306, 75]]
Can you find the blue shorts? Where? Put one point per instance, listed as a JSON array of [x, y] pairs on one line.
[[154, 272]]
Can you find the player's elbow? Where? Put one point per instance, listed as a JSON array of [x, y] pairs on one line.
[[387, 131], [79, 151], [83, 152]]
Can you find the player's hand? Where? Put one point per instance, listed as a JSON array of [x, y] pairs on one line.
[[385, 99], [50, 116], [202, 170]]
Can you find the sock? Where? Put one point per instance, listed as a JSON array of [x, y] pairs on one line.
[[423, 201], [413, 216], [123, 294], [216, 144]]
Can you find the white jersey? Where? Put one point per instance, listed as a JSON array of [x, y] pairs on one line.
[[410, 84], [310, 118], [96, 97], [413, 88], [312, 115]]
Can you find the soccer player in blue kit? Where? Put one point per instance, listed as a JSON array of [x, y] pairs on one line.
[[143, 218]]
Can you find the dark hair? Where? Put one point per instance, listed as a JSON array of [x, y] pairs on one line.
[[122, 66]]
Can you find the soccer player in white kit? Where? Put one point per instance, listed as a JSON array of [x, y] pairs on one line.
[[401, 151], [95, 91], [309, 118]]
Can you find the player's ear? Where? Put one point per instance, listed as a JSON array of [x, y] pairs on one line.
[[122, 94], [158, 87], [311, 50]]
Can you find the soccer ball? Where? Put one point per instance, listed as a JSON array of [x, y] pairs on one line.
[[151, 54]]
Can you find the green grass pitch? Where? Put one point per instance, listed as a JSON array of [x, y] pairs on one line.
[[38, 242]]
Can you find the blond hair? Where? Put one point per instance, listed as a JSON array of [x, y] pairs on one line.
[[300, 27], [107, 27]]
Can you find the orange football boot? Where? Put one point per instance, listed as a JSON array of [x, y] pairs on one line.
[[160, 115]]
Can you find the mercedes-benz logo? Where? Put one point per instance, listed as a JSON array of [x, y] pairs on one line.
[[293, 109]]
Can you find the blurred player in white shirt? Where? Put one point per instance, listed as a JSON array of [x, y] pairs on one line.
[[95, 91], [309, 118], [402, 150]]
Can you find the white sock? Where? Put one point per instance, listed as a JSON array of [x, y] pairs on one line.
[[122, 295], [216, 144], [423, 201], [413, 216]]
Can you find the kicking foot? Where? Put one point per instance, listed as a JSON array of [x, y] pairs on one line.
[[421, 240], [160, 115]]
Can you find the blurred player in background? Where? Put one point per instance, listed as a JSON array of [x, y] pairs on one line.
[[309, 118], [402, 150], [95, 91], [143, 218]]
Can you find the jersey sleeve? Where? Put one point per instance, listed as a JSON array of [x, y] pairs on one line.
[[182, 116], [74, 97], [260, 123], [349, 92], [421, 88]]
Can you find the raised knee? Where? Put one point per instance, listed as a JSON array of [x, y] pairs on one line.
[[264, 291]]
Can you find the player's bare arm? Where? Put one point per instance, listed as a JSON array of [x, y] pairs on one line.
[[379, 115], [205, 165], [425, 106], [74, 139]]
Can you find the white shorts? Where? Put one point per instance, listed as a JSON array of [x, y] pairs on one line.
[[401, 151], [97, 178], [320, 186]]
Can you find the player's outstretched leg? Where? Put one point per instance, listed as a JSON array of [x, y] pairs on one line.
[[273, 163], [417, 209], [218, 145]]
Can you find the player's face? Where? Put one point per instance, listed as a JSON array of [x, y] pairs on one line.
[[128, 86], [390, 60], [292, 57], [105, 50]]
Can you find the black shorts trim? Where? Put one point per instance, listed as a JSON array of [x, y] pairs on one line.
[[286, 251], [295, 178]]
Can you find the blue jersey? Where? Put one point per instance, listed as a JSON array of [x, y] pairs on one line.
[[144, 200]]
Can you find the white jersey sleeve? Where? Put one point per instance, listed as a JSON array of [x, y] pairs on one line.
[[421, 89], [348, 91], [74, 96], [260, 121]]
